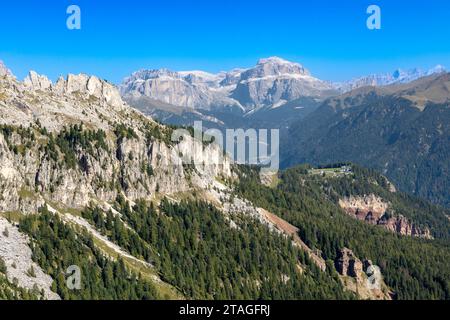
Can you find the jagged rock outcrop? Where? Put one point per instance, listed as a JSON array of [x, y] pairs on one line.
[[4, 71], [35, 81], [140, 165], [361, 277], [374, 210], [349, 265], [271, 81], [403, 226]]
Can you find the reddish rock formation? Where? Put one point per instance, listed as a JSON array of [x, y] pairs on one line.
[[374, 210], [402, 226], [347, 264]]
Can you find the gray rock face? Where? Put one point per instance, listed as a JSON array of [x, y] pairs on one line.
[[274, 80], [384, 79], [37, 82], [17, 255]]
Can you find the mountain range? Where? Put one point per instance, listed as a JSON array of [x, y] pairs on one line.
[[89, 182], [270, 84], [280, 94]]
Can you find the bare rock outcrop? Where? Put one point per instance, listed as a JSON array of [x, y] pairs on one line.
[[374, 210], [401, 225], [361, 277]]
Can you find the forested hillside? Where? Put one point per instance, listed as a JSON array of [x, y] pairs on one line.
[[413, 268], [205, 258]]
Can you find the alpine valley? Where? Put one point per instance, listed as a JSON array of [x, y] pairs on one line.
[[88, 180]]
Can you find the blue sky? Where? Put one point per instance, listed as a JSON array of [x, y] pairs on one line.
[[117, 37]]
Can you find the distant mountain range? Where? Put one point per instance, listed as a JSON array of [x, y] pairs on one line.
[[272, 94], [384, 79]]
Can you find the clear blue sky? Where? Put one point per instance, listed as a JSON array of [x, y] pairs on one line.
[[117, 37]]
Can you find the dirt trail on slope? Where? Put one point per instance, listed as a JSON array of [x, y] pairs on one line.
[[291, 230]]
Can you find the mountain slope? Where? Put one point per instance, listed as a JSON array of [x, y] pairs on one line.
[[413, 268], [397, 77], [401, 130]]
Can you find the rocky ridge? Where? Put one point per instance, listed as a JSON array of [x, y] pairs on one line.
[[361, 277]]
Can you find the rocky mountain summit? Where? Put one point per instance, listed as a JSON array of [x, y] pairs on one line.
[[274, 81], [376, 211]]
